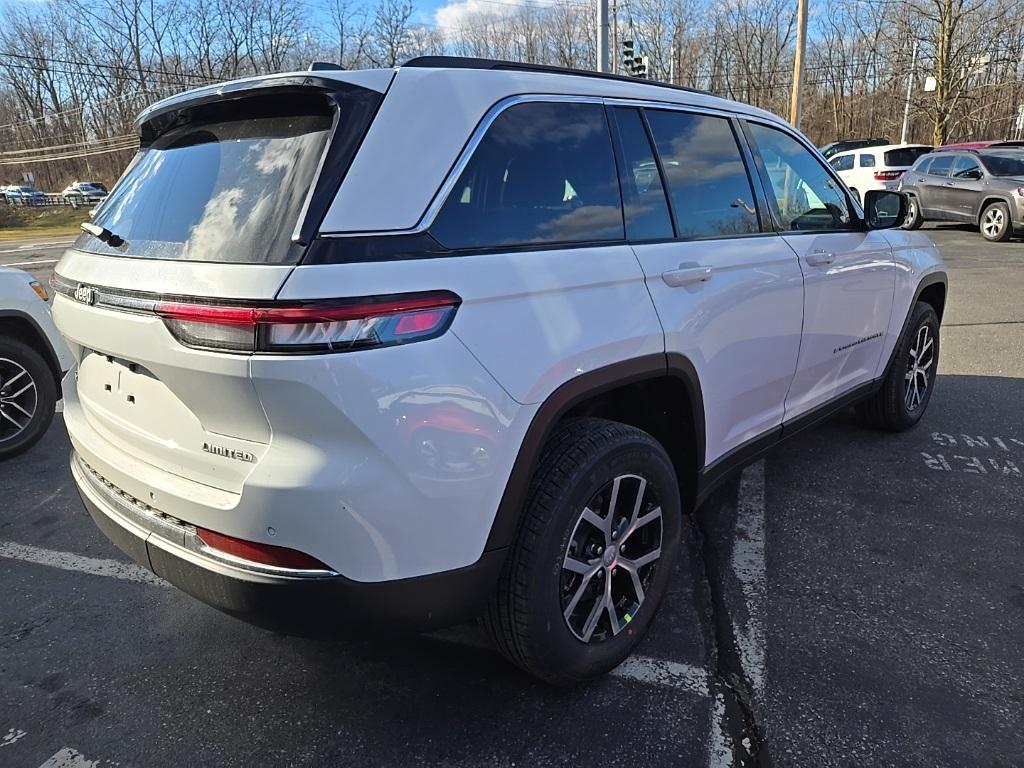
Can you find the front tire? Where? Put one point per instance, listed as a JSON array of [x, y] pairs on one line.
[[995, 225], [914, 217], [910, 381], [28, 395], [593, 555]]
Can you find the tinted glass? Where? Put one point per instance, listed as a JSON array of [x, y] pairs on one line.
[[1005, 163], [867, 161], [921, 166], [543, 173], [905, 156], [643, 196], [966, 168], [806, 195], [228, 191], [844, 163], [705, 175], [940, 165]]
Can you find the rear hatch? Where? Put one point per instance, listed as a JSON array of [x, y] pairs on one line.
[[227, 191]]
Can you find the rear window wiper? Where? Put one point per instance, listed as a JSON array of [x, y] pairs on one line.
[[103, 234]]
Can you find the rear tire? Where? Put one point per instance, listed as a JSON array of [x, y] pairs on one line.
[[914, 217], [995, 224], [910, 381], [28, 395], [565, 567]]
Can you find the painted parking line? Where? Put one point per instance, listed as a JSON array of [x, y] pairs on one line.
[[11, 737], [30, 246], [35, 263], [748, 564], [69, 758], [68, 561]]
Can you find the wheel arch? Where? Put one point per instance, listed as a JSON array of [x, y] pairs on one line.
[[987, 200], [931, 290], [654, 393], [21, 326]]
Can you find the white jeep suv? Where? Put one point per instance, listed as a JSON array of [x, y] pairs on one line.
[[398, 348]]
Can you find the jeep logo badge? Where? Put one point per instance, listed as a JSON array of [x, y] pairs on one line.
[[85, 294]]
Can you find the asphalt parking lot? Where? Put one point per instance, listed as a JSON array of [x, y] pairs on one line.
[[853, 599]]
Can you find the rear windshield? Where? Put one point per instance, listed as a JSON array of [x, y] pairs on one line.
[[227, 189], [905, 156], [1004, 164]]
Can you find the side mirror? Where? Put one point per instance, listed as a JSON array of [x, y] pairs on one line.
[[884, 209]]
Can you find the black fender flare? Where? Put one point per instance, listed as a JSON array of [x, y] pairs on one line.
[[42, 342], [938, 277], [571, 393], [988, 198]]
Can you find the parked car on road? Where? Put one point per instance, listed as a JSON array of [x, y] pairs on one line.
[[843, 146], [325, 402], [984, 188], [83, 192], [876, 167], [33, 358], [23, 195]]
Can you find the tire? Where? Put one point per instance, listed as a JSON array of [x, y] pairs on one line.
[[581, 466], [914, 217], [25, 414], [895, 407], [995, 224]]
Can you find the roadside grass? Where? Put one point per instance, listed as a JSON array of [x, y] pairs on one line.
[[17, 222]]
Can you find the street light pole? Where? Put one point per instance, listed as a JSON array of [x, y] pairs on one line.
[[796, 98], [602, 36], [910, 91]]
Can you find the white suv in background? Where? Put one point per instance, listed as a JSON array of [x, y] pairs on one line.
[[33, 358], [398, 348], [876, 167]]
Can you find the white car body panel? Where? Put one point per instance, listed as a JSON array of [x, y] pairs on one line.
[[17, 298], [862, 178]]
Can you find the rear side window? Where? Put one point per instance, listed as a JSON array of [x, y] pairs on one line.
[[705, 174], [905, 156], [922, 165], [226, 190], [966, 168], [867, 161], [644, 203], [940, 165], [544, 172]]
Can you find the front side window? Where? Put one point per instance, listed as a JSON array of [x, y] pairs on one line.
[[705, 174], [644, 203], [867, 161], [966, 168], [940, 165], [544, 172], [805, 194]]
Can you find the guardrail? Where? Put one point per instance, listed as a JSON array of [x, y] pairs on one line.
[[49, 200]]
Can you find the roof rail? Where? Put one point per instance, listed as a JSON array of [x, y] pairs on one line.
[[467, 62]]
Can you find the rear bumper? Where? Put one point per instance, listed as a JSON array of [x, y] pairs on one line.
[[293, 602]]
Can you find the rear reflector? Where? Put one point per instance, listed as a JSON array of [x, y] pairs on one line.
[[336, 326], [264, 554]]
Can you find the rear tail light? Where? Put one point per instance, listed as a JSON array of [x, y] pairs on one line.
[[263, 554], [887, 175], [337, 326]]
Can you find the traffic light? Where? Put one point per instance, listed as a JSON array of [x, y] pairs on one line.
[[641, 66], [628, 56]]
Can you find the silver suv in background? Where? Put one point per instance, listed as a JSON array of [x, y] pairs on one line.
[[984, 188]]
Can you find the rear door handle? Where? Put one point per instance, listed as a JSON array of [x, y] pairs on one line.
[[820, 258], [676, 278]]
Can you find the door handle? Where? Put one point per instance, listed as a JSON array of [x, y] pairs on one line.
[[820, 258], [949, 184], [676, 278]]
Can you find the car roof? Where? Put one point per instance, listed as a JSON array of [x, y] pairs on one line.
[[878, 148]]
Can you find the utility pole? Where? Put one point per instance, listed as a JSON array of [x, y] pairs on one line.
[[910, 91], [615, 36], [796, 98], [602, 36]]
